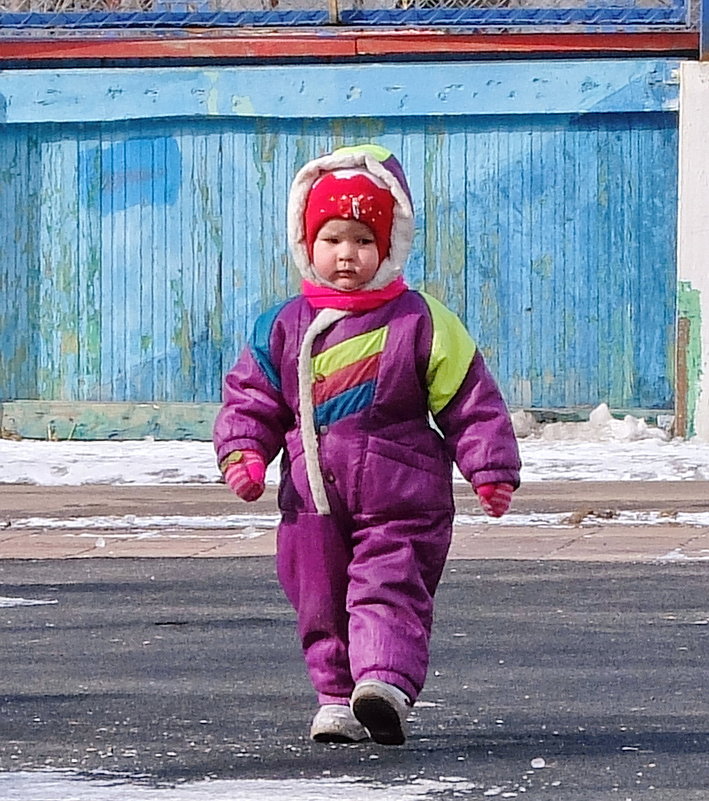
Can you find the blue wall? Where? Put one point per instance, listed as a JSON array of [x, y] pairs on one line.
[[143, 218]]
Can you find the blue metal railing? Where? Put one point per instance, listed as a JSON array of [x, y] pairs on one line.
[[597, 17], [594, 15], [161, 19]]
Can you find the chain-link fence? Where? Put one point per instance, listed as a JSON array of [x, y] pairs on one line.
[[28, 16]]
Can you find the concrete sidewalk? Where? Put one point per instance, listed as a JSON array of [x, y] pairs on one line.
[[46, 523]]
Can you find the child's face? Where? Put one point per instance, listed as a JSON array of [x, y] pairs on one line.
[[345, 253]]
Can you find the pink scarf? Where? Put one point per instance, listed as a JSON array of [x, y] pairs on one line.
[[358, 300]]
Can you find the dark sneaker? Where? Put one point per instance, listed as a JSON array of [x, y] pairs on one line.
[[382, 709]]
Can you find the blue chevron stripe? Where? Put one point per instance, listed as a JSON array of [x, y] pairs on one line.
[[346, 403]]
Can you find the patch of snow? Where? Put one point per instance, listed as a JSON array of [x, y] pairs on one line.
[[602, 449], [50, 786], [251, 526], [642, 460], [677, 555], [150, 522], [586, 519], [7, 603], [143, 462]]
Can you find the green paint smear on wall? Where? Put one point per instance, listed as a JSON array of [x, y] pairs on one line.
[[689, 306]]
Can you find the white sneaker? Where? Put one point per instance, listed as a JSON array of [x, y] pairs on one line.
[[382, 709], [335, 723]]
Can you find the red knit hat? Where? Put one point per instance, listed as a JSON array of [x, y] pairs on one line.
[[350, 195]]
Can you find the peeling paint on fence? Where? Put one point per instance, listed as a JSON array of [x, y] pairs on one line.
[[689, 307], [327, 91]]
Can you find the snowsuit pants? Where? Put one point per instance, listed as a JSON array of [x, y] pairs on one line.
[[363, 593]]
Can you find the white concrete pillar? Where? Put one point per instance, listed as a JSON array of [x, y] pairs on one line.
[[693, 237]]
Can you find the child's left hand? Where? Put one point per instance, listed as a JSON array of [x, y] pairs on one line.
[[495, 499]]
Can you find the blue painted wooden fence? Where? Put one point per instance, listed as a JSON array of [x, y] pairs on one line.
[[136, 253]]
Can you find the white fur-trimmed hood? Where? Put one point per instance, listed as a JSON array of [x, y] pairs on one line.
[[375, 160]]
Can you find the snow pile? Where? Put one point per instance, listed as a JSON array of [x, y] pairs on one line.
[[601, 427]]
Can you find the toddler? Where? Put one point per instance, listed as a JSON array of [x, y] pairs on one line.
[[344, 378]]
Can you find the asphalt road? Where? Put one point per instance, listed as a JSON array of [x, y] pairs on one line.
[[173, 670]]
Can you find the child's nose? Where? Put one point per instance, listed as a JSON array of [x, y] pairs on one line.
[[347, 249]]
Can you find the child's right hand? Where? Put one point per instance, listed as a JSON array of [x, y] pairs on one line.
[[247, 476]]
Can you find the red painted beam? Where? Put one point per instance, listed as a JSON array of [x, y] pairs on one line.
[[275, 44], [394, 43], [180, 47]]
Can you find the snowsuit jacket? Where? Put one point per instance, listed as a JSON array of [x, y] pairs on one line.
[[376, 375]]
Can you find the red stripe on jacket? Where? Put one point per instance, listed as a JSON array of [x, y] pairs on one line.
[[326, 387]]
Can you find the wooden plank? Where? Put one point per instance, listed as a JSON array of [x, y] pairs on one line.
[[589, 205], [493, 279], [114, 302], [91, 421], [682, 377], [58, 307], [180, 312], [453, 240], [207, 244], [541, 224], [168, 166], [654, 323], [136, 152], [444, 215], [233, 266], [411, 152], [63, 421], [611, 153], [88, 266], [149, 174], [328, 91], [580, 286], [17, 296]]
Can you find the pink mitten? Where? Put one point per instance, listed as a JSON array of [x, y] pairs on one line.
[[495, 499], [247, 476]]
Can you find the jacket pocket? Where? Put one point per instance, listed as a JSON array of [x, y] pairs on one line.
[[403, 479], [293, 489]]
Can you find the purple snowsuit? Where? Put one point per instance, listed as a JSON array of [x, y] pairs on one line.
[[361, 573]]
